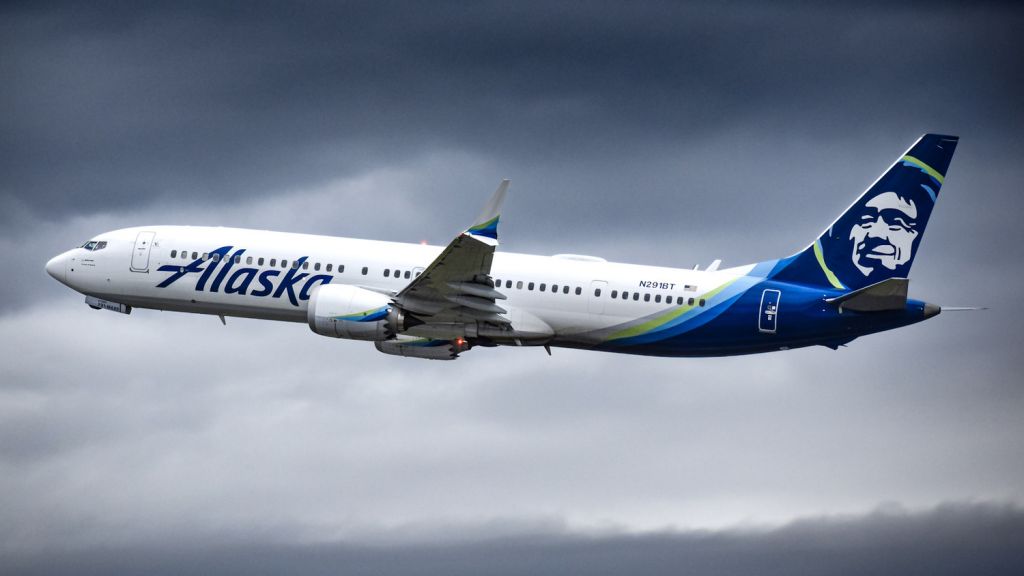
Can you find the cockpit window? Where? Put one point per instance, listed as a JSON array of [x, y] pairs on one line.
[[93, 245]]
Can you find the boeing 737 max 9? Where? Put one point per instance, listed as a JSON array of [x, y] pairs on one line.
[[437, 302]]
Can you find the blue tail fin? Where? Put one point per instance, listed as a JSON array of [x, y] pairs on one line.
[[878, 236]]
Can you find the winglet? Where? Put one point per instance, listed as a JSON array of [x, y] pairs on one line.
[[487, 224]]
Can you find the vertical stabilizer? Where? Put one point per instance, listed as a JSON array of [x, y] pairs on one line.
[[879, 235]]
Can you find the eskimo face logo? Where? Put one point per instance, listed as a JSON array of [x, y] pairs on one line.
[[885, 233]]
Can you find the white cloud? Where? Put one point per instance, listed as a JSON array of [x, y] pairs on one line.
[[160, 426]]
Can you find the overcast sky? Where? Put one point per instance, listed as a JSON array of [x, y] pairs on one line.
[[655, 133]]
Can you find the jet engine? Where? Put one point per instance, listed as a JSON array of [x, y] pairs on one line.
[[428, 348], [342, 311]]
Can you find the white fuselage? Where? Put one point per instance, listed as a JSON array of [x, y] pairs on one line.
[[435, 302], [572, 294]]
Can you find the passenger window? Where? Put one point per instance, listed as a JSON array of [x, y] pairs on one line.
[[184, 255], [174, 253], [387, 272], [273, 262], [296, 264], [365, 270], [316, 266], [579, 290], [679, 300], [565, 289], [529, 286], [216, 257], [407, 274], [248, 260], [519, 285], [195, 255], [657, 298], [260, 261], [554, 288], [625, 295], [690, 302], [206, 256], [284, 263], [398, 273], [543, 286], [597, 292], [238, 258], [615, 293], [329, 267], [636, 295], [647, 297], [305, 265], [701, 301], [341, 268]]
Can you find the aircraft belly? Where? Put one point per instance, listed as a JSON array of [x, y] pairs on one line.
[[258, 309]]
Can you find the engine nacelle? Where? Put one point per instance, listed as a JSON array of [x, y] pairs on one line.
[[430, 349], [342, 311]]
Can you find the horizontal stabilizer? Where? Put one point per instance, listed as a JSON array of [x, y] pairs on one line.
[[888, 294]]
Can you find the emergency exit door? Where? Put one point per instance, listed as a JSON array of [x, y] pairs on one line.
[[769, 316], [140, 254]]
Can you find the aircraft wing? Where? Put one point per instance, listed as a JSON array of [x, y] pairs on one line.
[[457, 286]]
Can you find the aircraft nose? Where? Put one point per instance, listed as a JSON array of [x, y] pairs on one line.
[[57, 267]]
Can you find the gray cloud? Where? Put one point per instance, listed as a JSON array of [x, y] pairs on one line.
[[661, 134], [950, 539], [190, 102], [163, 428]]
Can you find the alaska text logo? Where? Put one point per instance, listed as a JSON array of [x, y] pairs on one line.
[[246, 281]]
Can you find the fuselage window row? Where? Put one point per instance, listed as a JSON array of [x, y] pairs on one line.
[[542, 287], [261, 261], [679, 300], [398, 273]]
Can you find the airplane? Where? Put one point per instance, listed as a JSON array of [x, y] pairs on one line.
[[437, 302]]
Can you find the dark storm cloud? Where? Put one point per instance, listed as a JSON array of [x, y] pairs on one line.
[[653, 133], [951, 539], [113, 106]]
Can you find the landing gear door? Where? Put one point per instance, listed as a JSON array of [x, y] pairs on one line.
[[769, 315], [140, 253]]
